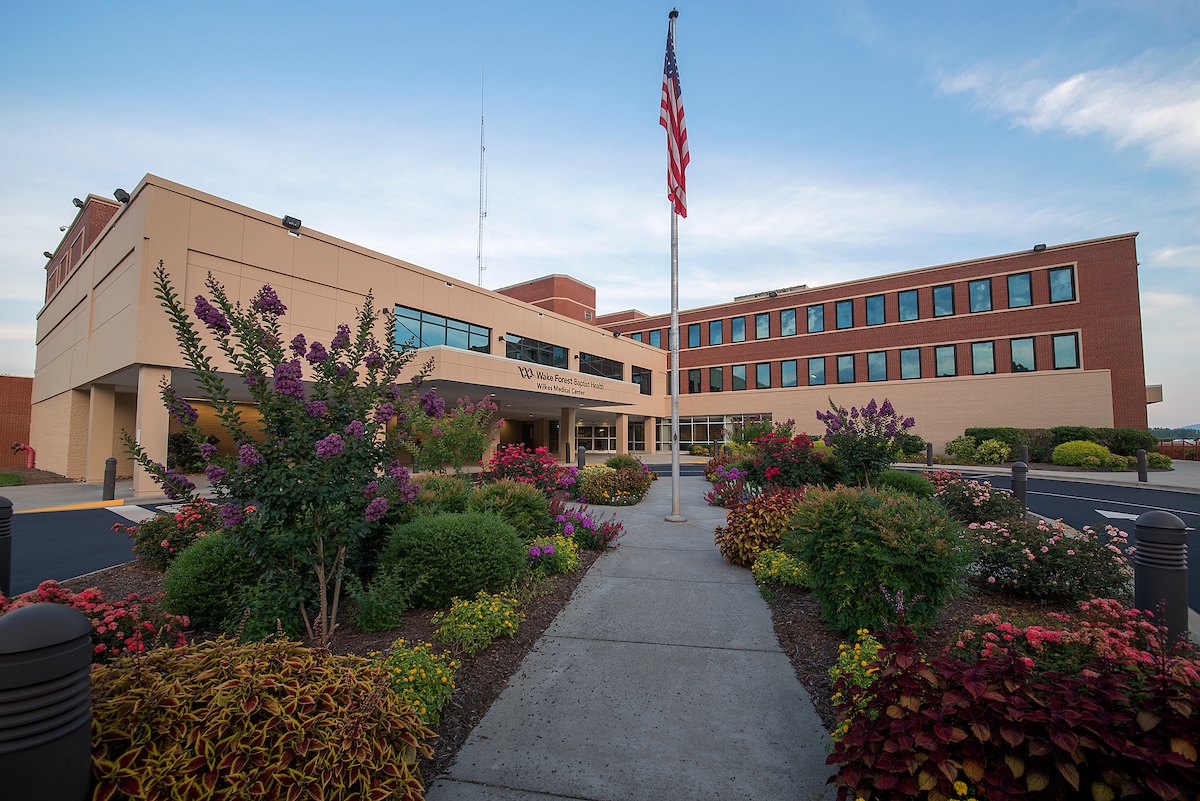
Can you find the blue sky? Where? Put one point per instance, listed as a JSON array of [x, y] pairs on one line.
[[829, 140]]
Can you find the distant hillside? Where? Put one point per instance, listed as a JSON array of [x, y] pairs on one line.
[[1186, 432]]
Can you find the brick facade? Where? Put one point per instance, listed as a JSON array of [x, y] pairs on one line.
[[561, 294], [16, 397], [88, 224]]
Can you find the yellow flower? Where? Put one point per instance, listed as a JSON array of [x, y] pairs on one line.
[[960, 788]]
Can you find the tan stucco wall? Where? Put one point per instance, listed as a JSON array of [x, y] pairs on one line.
[[58, 433], [942, 407], [124, 416]]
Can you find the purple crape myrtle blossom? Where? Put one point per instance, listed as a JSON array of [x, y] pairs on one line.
[[254, 379], [434, 406], [376, 509], [341, 340], [267, 340], [176, 486], [330, 446], [406, 491], [316, 408], [385, 413], [287, 379], [183, 412], [373, 359], [248, 455], [231, 515], [371, 490], [345, 372], [211, 316], [208, 450], [299, 345], [355, 429], [317, 354], [215, 473], [267, 302]]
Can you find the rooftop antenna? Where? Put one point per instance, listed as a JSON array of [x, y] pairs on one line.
[[482, 181]]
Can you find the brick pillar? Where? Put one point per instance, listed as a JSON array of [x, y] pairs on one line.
[[151, 426], [101, 417]]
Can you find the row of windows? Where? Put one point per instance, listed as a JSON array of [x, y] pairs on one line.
[[979, 299], [1064, 349], [598, 365], [423, 330]]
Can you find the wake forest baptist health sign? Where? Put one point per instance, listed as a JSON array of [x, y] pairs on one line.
[[563, 384]]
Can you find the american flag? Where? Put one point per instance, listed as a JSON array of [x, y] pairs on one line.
[[671, 118]]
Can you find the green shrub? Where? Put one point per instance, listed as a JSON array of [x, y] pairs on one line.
[[472, 624], [441, 492], [1061, 434], [756, 525], [1126, 441], [1040, 443], [206, 581], [269, 607], [1074, 453], [776, 566], [381, 604], [1046, 560], [227, 720], [977, 502], [912, 483], [1012, 437], [909, 444], [523, 506], [459, 555], [860, 544], [991, 451], [421, 679], [1158, 461], [963, 447], [625, 460]]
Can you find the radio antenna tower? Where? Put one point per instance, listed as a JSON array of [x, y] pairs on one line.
[[482, 181]]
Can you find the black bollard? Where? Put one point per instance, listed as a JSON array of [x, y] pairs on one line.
[[581, 457], [728, 451], [110, 479], [5, 547], [1020, 483], [1160, 568], [1143, 469], [929, 454], [45, 703], [1025, 454]]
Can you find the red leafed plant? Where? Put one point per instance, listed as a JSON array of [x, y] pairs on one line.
[[756, 525]]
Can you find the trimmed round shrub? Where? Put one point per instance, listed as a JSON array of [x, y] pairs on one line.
[[1159, 461], [622, 460], [440, 492], [459, 555], [977, 502], [226, 720], [1074, 453], [207, 579], [523, 506], [991, 451], [756, 525], [1126, 441], [963, 447], [861, 546], [912, 483]]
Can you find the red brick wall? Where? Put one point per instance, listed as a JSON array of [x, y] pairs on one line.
[[1106, 314], [16, 403], [557, 293]]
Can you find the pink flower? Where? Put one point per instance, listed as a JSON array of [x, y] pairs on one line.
[[165, 544], [991, 579], [1045, 549]]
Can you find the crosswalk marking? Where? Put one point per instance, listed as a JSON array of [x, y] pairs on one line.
[[1116, 515], [134, 513]]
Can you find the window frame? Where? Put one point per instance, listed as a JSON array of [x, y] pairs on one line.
[[733, 383], [820, 313], [937, 364], [719, 372], [759, 319], [554, 355], [1032, 354], [693, 385], [812, 359], [734, 334], [876, 358], [852, 378], [646, 373], [479, 334], [655, 338], [636, 336], [982, 283], [1070, 270], [693, 328], [601, 367], [718, 327], [949, 288], [915, 354], [838, 306], [1028, 290], [916, 302], [758, 375], [1074, 336], [878, 301], [783, 371], [784, 314], [990, 344]]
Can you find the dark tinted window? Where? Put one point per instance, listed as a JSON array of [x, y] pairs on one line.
[[641, 377], [739, 377], [693, 385], [875, 314], [656, 338], [908, 305], [762, 326], [423, 330], [525, 349], [598, 365], [1020, 291], [943, 301], [636, 337], [716, 379]]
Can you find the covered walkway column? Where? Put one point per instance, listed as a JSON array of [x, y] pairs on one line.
[[151, 426], [566, 435], [651, 435], [622, 434], [101, 420]]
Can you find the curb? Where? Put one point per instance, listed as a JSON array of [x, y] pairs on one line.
[[93, 505]]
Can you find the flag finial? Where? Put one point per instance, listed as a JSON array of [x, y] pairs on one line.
[[674, 13]]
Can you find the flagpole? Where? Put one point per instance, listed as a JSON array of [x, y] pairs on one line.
[[675, 517]]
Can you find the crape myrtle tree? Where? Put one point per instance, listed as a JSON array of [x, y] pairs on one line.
[[864, 439], [318, 465]]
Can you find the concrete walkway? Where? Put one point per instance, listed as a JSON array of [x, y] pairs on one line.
[[661, 679]]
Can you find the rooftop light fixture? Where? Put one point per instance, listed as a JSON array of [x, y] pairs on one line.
[[78, 203], [121, 195], [1038, 248], [47, 254], [291, 223]]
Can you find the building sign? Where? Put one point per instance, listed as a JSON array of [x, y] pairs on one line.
[[560, 383]]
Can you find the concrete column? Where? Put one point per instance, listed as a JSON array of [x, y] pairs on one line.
[[622, 434], [541, 432], [151, 426], [101, 417], [566, 435], [651, 435]]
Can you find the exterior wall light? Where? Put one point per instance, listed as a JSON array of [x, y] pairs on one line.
[[121, 195], [78, 203], [47, 254], [1038, 248], [291, 223]]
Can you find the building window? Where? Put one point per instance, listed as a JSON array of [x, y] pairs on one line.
[[980, 293], [637, 436], [1022, 355], [946, 361], [656, 338], [587, 315], [641, 377], [845, 368], [762, 326], [738, 334], [694, 335], [844, 309], [909, 310], [787, 372], [714, 332], [1020, 291], [910, 363], [693, 386], [524, 349], [943, 300], [816, 371], [716, 379], [762, 376], [787, 323], [877, 366], [1062, 284], [598, 365], [983, 358], [1066, 351], [424, 330], [692, 431], [875, 314], [636, 337], [739, 377], [816, 319]]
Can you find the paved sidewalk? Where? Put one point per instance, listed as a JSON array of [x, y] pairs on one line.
[[662, 679]]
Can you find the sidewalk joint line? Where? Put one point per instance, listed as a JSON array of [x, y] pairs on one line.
[[448, 777], [665, 644]]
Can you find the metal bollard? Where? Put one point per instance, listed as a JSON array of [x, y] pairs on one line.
[[1020, 483], [1143, 468], [45, 703], [929, 454], [581, 457], [5, 547], [110, 479], [728, 451], [1025, 454], [1160, 568]]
